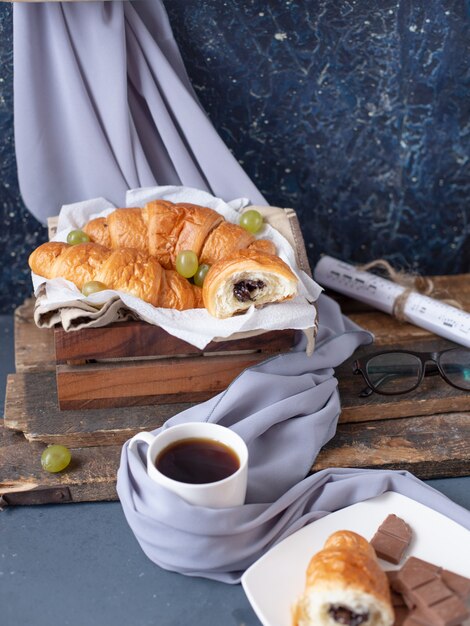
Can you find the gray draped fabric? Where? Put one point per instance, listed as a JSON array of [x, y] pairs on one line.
[[285, 409], [103, 104]]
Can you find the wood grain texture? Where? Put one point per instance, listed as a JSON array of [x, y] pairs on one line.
[[90, 477], [31, 406], [372, 433], [430, 447], [34, 347], [433, 396], [191, 379], [138, 339]]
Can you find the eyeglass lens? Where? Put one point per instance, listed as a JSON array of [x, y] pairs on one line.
[[394, 372], [456, 366]]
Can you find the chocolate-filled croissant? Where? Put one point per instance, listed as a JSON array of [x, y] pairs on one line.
[[125, 269], [163, 229], [345, 585], [248, 277]]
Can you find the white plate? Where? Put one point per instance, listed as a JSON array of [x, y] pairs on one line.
[[276, 580]]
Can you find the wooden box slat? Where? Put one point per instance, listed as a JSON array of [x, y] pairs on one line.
[[137, 383], [134, 364], [34, 347], [137, 340]]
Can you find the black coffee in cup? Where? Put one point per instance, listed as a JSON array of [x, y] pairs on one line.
[[197, 461]]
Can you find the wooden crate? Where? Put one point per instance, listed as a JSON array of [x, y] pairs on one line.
[[134, 364], [426, 432]]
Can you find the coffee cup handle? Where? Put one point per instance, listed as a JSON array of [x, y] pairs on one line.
[[147, 438]]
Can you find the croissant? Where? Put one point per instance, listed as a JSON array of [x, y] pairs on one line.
[[345, 585], [248, 277], [163, 229], [125, 269]]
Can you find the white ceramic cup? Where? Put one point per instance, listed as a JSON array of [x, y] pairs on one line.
[[228, 492]]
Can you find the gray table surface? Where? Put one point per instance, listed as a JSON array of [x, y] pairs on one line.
[[80, 565]]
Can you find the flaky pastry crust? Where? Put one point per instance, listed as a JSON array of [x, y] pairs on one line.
[[345, 576], [124, 269], [163, 229]]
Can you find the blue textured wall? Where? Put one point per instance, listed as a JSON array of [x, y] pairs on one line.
[[20, 232], [356, 113]]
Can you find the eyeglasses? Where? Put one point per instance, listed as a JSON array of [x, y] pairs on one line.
[[394, 372]]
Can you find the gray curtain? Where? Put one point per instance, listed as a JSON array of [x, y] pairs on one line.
[[103, 104]]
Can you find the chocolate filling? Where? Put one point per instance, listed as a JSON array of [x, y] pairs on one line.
[[342, 615], [244, 288]]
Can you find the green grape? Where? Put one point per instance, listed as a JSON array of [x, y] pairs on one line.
[[200, 275], [187, 263], [77, 236], [92, 286], [55, 458], [251, 221]]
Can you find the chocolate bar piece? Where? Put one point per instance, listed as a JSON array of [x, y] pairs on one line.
[[449, 612], [436, 604], [397, 599], [430, 593], [401, 613], [392, 539], [416, 618], [395, 589], [416, 572], [459, 584]]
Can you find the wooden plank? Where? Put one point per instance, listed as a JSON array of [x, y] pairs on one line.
[[191, 379], [433, 446], [433, 396], [31, 406], [34, 347], [90, 477], [138, 339], [429, 447]]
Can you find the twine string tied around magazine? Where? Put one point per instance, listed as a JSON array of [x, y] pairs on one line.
[[412, 284]]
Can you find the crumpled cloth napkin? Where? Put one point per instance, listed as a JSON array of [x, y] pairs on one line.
[[285, 409]]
